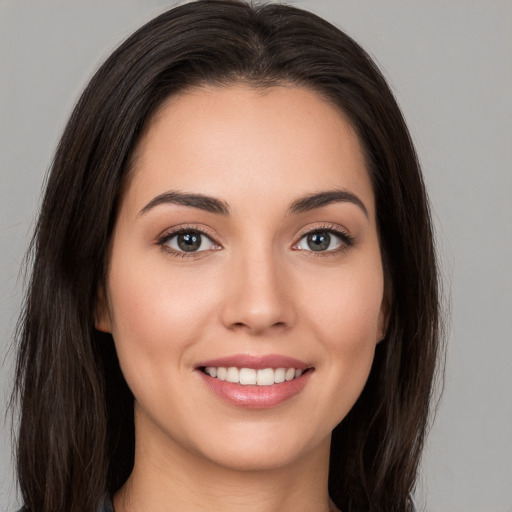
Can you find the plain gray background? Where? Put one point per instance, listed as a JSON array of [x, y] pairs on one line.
[[450, 66]]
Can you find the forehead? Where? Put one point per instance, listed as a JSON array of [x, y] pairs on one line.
[[240, 143]]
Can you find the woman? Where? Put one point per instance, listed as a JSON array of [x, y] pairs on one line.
[[233, 302]]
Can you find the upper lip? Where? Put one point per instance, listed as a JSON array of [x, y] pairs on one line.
[[256, 362]]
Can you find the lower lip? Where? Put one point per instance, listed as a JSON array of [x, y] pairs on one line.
[[256, 397]]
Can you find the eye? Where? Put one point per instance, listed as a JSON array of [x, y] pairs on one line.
[[324, 240], [187, 241]]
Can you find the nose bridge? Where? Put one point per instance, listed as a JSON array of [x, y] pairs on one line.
[[256, 298]]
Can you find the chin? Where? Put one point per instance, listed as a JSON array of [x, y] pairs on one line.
[[255, 458], [261, 447]]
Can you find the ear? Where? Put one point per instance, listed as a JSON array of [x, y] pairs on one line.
[[385, 313], [101, 312]]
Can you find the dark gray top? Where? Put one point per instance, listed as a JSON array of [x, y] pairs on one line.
[[105, 507]]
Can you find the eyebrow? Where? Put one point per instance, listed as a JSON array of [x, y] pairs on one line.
[[312, 201], [213, 205], [207, 203]]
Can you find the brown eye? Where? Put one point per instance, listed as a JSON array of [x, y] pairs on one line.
[[189, 241]]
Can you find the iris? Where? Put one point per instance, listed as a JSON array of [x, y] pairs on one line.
[[189, 242], [319, 241]]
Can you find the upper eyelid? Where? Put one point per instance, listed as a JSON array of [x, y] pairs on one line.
[[334, 228], [171, 232]]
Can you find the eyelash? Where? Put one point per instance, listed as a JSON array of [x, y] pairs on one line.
[[164, 239], [347, 241]]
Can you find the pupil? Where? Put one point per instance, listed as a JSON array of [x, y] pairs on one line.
[[319, 241], [189, 242]]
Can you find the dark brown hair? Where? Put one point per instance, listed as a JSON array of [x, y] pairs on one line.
[[76, 437]]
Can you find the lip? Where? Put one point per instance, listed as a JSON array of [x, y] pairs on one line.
[[256, 397], [257, 362]]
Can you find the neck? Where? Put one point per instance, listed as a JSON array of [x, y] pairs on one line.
[[175, 479]]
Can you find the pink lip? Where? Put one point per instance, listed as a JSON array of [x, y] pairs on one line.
[[256, 362], [255, 397]]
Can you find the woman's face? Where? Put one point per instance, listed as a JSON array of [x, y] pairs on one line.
[[245, 285]]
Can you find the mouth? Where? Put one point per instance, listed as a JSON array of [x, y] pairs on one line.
[[255, 382], [253, 376]]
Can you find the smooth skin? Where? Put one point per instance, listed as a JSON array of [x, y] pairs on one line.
[[251, 285]]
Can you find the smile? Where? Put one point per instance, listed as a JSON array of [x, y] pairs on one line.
[[255, 382], [252, 376]]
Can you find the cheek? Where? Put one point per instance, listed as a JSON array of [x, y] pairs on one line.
[[157, 319], [345, 317], [156, 315], [345, 306], [147, 297]]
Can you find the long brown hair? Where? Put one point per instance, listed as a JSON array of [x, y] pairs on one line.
[[76, 437]]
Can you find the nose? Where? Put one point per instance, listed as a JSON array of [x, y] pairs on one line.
[[258, 295]]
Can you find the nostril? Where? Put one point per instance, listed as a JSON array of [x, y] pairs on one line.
[[253, 327], [254, 313]]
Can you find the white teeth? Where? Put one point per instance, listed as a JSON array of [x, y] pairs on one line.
[[279, 375], [211, 371], [233, 375], [289, 375], [265, 377], [250, 376], [247, 376]]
